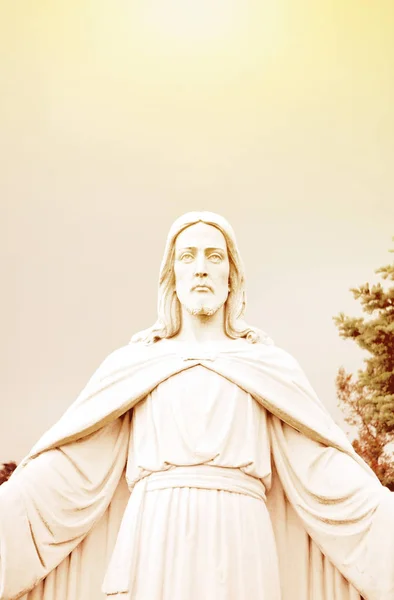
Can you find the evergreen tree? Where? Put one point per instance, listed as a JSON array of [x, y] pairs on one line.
[[371, 442], [368, 399], [6, 471]]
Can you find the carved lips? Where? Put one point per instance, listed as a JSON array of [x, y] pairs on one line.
[[202, 288]]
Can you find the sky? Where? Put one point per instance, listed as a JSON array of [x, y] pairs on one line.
[[117, 117]]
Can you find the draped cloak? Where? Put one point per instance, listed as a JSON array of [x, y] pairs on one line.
[[61, 510]]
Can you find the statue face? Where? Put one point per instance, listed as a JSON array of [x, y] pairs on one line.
[[201, 269]]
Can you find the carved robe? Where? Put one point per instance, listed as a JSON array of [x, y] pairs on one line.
[[258, 456]]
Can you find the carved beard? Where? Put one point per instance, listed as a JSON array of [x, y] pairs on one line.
[[203, 311]]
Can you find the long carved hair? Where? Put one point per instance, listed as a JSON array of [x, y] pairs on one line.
[[168, 323]]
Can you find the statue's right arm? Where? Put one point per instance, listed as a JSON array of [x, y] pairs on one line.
[[49, 506]]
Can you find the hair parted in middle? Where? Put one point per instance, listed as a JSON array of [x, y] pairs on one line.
[[169, 321]]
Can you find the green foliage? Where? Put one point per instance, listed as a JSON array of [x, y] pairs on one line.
[[371, 441], [375, 335], [6, 471], [368, 400]]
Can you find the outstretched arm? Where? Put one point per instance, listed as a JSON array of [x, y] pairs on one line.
[[344, 508], [49, 506]]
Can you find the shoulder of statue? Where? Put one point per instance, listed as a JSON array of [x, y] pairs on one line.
[[276, 355], [123, 357]]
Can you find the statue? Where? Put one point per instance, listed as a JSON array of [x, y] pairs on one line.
[[196, 463]]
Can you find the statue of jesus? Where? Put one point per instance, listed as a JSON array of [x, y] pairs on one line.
[[197, 463]]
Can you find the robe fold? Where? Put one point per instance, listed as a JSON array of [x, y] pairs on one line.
[[61, 511]]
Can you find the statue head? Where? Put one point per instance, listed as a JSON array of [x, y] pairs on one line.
[[202, 271], [176, 284]]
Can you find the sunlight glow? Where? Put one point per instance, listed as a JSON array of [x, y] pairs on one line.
[[194, 20]]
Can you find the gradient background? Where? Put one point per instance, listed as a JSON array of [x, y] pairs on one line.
[[118, 116]]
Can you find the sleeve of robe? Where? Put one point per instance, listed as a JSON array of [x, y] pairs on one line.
[[48, 507], [342, 505]]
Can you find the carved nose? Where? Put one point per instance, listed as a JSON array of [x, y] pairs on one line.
[[201, 273], [201, 269]]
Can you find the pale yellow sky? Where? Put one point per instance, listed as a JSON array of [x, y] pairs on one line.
[[116, 117]]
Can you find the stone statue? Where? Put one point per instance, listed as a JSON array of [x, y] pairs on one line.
[[197, 463]]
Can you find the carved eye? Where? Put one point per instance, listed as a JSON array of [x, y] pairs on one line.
[[215, 258], [186, 257]]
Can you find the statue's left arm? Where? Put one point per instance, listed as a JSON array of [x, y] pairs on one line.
[[341, 503]]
